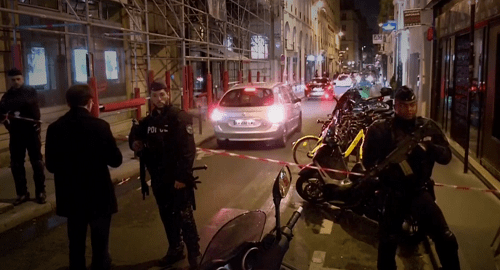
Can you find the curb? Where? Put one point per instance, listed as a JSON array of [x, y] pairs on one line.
[[25, 212]]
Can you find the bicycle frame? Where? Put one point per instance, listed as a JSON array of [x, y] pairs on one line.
[[354, 143]]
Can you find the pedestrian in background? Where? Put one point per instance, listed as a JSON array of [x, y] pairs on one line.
[[21, 101], [166, 140], [78, 150]]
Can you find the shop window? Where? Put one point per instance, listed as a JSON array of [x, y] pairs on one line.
[[259, 47], [111, 65], [496, 116], [37, 65], [80, 65]]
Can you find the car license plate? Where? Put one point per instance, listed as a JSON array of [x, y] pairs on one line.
[[318, 89], [245, 123]]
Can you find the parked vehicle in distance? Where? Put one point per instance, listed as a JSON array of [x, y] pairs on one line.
[[320, 87]]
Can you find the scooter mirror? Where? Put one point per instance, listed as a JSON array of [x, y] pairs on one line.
[[386, 91], [282, 183]]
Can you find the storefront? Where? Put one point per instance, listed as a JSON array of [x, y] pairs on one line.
[[451, 94]]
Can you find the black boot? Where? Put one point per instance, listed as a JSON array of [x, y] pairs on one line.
[[21, 199], [41, 197], [173, 255]]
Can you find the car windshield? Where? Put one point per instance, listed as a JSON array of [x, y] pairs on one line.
[[248, 97], [323, 80]]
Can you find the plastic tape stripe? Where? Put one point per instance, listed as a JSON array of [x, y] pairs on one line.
[[326, 169]]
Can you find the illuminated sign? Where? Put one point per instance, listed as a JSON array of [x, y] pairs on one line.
[[389, 26]]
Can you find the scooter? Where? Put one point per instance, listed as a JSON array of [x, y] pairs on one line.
[[237, 245]]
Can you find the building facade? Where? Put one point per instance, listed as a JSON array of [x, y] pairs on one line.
[[350, 47], [470, 115]]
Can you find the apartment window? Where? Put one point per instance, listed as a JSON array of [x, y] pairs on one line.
[[344, 17], [111, 65], [37, 65], [295, 11], [80, 65], [344, 27]]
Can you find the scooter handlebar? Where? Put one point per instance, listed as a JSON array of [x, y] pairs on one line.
[[295, 217]]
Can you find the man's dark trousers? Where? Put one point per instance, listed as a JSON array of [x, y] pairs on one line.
[[99, 234], [20, 141]]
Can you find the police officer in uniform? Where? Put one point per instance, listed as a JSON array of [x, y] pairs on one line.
[[408, 186], [21, 100], [166, 140]]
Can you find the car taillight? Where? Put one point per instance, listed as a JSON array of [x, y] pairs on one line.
[[216, 115], [276, 114]]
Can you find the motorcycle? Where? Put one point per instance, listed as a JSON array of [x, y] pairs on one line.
[[359, 190], [238, 244]]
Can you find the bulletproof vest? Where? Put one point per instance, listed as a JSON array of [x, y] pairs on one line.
[[161, 130]]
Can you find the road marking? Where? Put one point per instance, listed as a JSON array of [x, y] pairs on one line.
[[326, 227], [148, 182], [317, 261]]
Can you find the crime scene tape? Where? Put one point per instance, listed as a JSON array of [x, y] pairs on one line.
[[268, 160]]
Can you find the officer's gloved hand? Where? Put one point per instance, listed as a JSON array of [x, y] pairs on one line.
[[137, 146]]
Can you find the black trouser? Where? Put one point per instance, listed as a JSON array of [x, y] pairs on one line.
[[99, 233], [176, 212], [20, 141], [430, 220]]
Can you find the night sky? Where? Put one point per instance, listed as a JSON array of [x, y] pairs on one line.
[[369, 9]]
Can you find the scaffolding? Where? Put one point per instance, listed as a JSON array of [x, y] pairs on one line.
[[159, 38]]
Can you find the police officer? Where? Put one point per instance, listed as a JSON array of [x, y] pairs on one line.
[[166, 140], [21, 101], [408, 185]]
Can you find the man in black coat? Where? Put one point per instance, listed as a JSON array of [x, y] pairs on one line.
[[21, 101], [166, 140], [78, 150]]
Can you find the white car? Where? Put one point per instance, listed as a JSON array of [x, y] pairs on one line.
[[343, 80], [264, 111]]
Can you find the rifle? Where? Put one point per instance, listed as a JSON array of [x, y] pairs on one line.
[[142, 174], [403, 149]]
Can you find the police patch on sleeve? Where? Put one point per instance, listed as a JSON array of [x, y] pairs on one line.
[[189, 129]]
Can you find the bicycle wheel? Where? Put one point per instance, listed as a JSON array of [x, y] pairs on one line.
[[303, 149]]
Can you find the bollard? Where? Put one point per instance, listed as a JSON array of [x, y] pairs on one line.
[[249, 76], [225, 81], [209, 90], [95, 97], [258, 76], [185, 90], [240, 76]]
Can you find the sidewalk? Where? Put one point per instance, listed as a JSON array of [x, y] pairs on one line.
[[11, 216]]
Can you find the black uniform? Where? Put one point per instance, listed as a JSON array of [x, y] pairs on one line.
[[169, 156], [406, 188], [24, 135]]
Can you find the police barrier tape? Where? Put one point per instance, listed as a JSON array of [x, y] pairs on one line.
[[267, 160]]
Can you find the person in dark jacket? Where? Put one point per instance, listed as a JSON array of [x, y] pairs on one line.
[[21, 101], [78, 150], [408, 184], [166, 140]]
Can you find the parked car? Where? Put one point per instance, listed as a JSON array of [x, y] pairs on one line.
[[265, 111], [320, 87], [343, 80]]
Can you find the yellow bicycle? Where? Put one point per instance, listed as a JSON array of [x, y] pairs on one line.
[[304, 148]]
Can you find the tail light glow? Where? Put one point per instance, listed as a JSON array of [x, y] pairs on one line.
[[216, 115], [276, 114]]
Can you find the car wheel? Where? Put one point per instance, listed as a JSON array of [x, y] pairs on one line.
[[282, 141]]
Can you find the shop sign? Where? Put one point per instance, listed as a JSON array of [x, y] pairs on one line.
[[378, 38], [411, 17]]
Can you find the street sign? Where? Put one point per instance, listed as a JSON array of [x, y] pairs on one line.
[[378, 38], [389, 26]]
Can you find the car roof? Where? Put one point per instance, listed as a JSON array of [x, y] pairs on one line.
[[269, 85]]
